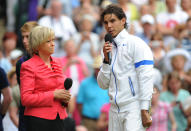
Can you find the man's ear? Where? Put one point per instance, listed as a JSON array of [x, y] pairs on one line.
[[123, 20]]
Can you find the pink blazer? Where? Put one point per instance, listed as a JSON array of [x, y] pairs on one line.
[[38, 83]]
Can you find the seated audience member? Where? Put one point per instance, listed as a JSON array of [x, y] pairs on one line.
[[174, 95], [158, 49], [179, 60]]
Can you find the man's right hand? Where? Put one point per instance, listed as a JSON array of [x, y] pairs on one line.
[[106, 49]]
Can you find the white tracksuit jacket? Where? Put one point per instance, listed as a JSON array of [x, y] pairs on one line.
[[129, 77]]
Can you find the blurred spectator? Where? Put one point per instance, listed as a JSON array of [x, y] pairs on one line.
[[86, 7], [156, 7], [4, 62], [9, 43], [174, 95], [175, 41], [159, 121], [75, 68], [158, 49], [61, 24], [186, 6], [186, 36], [148, 24], [136, 26], [15, 103], [103, 120], [139, 3], [44, 7], [169, 19], [10, 121], [91, 98], [87, 42], [130, 10], [178, 60], [5, 91]]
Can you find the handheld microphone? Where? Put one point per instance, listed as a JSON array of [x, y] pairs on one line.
[[67, 84], [109, 38]]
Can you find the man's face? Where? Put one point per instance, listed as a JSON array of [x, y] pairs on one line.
[[113, 25], [25, 36]]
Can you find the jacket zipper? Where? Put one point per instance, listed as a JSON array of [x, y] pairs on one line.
[[115, 81], [131, 86]]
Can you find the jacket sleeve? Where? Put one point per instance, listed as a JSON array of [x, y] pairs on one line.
[[143, 62], [103, 77], [28, 97]]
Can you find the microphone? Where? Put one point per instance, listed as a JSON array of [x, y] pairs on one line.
[[67, 84], [109, 38]]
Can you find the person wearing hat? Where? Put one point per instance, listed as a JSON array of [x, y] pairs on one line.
[[91, 98], [128, 75], [148, 24], [178, 60]]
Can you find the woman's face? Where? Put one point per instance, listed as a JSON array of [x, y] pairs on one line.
[[47, 48], [174, 84], [178, 62]]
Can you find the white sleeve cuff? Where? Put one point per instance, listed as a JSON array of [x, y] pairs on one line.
[[145, 105], [105, 68]]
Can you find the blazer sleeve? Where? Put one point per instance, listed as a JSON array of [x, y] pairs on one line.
[[28, 97]]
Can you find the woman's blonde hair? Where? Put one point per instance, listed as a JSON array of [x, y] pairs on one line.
[[28, 26], [39, 35]]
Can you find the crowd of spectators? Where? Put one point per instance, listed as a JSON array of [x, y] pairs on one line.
[[165, 25]]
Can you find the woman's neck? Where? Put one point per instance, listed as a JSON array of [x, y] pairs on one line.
[[45, 58]]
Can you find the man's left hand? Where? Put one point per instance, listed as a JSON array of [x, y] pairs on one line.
[[146, 118]]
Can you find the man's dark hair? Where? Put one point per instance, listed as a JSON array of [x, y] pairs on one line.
[[116, 10]]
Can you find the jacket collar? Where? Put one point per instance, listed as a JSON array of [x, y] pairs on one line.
[[41, 61], [119, 38]]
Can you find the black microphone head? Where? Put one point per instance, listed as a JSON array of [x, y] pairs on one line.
[[68, 83], [108, 37]]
